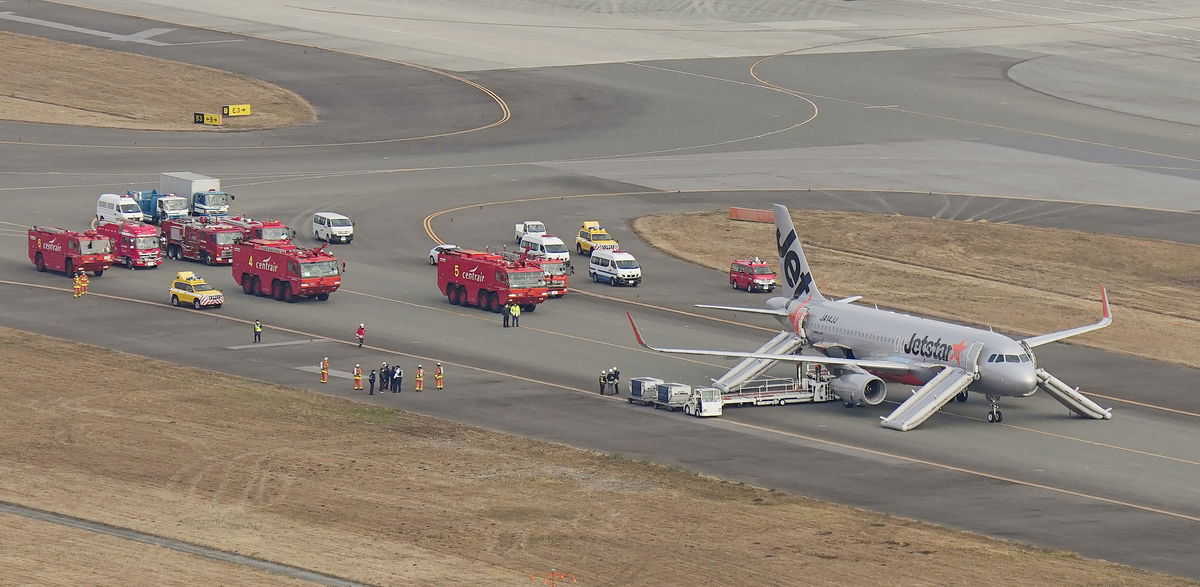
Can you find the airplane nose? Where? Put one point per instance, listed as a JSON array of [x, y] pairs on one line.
[[1027, 377]]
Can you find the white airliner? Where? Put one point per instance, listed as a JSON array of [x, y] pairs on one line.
[[862, 346]]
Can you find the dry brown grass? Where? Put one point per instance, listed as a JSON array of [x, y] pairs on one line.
[[1017, 279], [389, 497], [63, 83]]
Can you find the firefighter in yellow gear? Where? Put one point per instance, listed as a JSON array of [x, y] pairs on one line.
[[77, 284], [420, 378], [83, 283], [357, 377], [325, 370], [438, 377]]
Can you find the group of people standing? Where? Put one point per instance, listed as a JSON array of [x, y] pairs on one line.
[[389, 377], [81, 283], [512, 313], [610, 382]]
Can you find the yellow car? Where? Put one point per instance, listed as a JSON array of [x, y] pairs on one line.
[[189, 289], [593, 237]]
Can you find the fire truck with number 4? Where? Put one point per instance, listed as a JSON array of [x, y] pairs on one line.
[[284, 271], [65, 250], [488, 280], [209, 242]]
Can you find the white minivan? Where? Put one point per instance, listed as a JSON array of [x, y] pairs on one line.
[[332, 227], [117, 208], [617, 267], [545, 245]]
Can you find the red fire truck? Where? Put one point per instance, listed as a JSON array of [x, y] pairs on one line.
[[285, 271], [66, 250], [210, 242], [488, 280], [751, 274], [134, 244], [266, 230], [556, 270]]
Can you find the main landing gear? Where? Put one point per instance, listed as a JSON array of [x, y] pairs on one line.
[[995, 416]]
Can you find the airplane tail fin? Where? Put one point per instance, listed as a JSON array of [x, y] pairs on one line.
[[793, 265]]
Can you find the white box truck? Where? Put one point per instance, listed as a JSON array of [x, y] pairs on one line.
[[202, 192]]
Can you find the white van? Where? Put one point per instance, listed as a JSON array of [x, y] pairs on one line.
[[545, 245], [617, 267], [116, 208], [332, 227]]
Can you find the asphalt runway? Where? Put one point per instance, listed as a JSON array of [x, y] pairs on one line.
[[913, 112]]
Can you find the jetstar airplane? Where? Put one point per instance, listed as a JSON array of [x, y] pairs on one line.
[[861, 347]]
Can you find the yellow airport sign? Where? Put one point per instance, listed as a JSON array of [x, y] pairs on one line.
[[209, 119], [236, 110]]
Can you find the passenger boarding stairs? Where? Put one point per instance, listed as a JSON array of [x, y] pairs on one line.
[[784, 343], [1070, 397], [936, 393]]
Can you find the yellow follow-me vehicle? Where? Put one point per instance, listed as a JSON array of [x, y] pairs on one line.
[[189, 289], [593, 237]]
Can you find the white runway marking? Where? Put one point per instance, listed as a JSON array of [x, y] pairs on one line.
[[266, 344], [332, 372]]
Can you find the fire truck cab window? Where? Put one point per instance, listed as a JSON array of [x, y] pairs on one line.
[[319, 269], [293, 268], [74, 245], [501, 277]]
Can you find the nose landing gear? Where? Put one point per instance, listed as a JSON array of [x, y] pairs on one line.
[[994, 416]]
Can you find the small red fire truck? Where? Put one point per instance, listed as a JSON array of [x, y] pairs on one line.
[[66, 250], [285, 271], [488, 280], [134, 244], [266, 230], [210, 242], [751, 274], [556, 270]]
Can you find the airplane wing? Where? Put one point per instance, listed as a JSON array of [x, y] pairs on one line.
[[1105, 320], [769, 311], [862, 363]]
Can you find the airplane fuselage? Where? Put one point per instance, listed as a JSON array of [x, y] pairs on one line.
[[1006, 367]]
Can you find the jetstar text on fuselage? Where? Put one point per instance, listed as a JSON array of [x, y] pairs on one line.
[[933, 349]]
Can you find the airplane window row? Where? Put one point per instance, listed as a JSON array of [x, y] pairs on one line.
[[997, 358]]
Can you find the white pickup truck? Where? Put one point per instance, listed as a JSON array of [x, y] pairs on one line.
[[530, 227]]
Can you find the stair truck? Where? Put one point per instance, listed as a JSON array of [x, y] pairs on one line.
[[157, 206], [65, 250], [489, 281], [285, 271], [263, 230], [557, 271], [134, 244], [198, 239], [203, 192], [813, 384]]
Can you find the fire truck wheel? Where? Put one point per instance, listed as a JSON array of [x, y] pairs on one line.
[[529, 307], [277, 291], [175, 301], [98, 273], [196, 304], [323, 297], [69, 268], [255, 286], [206, 258], [39, 262], [289, 296], [247, 284]]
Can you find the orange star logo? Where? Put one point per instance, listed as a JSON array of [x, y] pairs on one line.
[[958, 349]]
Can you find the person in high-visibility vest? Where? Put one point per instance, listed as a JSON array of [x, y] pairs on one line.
[[438, 376], [257, 331], [325, 370], [420, 378], [357, 377], [77, 286], [83, 283], [603, 381], [516, 314]]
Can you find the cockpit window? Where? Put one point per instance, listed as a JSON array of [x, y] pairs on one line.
[[1011, 359], [1025, 358], [992, 359]]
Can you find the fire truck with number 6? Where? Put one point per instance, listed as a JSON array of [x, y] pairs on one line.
[[284, 271], [488, 280], [65, 250]]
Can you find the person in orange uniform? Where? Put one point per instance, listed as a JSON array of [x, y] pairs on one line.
[[439, 377], [357, 377], [325, 370], [83, 283], [420, 378], [77, 284]]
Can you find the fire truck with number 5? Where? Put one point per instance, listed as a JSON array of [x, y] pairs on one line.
[[488, 280], [65, 250], [284, 271]]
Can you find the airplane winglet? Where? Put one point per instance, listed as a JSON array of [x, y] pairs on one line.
[[1105, 320], [637, 335], [1104, 303]]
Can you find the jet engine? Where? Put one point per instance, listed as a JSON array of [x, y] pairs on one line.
[[857, 389]]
